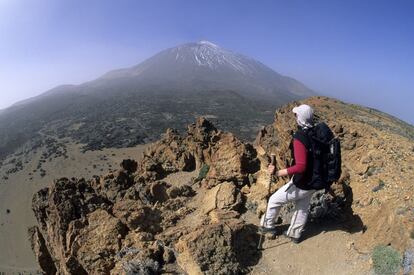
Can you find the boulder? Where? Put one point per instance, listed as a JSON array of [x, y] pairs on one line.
[[134, 214], [221, 215], [227, 246], [166, 156], [158, 191], [180, 191], [222, 196], [114, 186], [129, 165], [98, 242], [208, 251], [232, 160]]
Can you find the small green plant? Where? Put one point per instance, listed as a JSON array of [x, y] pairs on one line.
[[386, 260], [203, 172]]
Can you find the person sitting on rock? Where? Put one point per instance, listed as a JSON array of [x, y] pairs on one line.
[[296, 189]]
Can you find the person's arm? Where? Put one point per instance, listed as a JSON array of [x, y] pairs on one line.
[[300, 155]]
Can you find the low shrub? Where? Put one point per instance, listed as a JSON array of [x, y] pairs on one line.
[[203, 172], [386, 260]]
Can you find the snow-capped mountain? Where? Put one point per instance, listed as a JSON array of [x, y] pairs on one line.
[[212, 56], [204, 54], [204, 65]]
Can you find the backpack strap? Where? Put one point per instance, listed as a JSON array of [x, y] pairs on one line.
[[302, 136]]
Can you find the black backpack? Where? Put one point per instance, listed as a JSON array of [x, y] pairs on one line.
[[326, 152]]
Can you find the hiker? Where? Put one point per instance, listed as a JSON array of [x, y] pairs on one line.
[[297, 189]]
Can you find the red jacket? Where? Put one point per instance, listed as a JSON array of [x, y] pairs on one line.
[[300, 155]]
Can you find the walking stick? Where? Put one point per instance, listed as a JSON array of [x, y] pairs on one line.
[[273, 162]]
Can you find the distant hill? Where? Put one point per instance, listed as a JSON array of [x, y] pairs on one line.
[[135, 105]]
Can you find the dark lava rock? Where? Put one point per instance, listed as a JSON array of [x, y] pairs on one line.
[[129, 165]]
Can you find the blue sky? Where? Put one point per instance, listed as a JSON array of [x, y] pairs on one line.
[[358, 51]]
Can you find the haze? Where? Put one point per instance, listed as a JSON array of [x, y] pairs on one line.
[[358, 51]]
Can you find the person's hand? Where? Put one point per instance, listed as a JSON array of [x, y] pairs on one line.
[[271, 169]]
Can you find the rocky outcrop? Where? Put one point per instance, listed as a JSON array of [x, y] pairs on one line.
[[166, 156], [232, 160], [114, 186], [223, 196], [132, 220], [229, 159], [64, 212], [137, 221]]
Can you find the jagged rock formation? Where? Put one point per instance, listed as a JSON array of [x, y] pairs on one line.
[[134, 221], [204, 144]]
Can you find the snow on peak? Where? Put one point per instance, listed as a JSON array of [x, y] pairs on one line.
[[206, 54], [207, 43]]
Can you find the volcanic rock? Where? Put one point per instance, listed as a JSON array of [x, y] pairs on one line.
[[166, 156], [114, 186], [228, 158], [40, 249], [97, 242], [208, 251], [132, 220], [222, 196], [231, 160], [129, 165], [134, 214], [62, 212]]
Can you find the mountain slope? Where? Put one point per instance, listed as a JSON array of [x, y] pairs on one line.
[[135, 105]]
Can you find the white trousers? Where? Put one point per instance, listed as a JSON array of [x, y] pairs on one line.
[[279, 198]]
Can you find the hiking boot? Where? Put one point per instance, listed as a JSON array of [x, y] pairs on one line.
[[295, 240], [270, 228], [292, 239], [264, 229]]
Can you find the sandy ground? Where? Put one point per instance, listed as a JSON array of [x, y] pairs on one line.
[[16, 256], [328, 252]]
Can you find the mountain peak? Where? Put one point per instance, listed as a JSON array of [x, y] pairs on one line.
[[211, 56], [203, 63], [207, 43]]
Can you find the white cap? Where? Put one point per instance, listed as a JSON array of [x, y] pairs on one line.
[[304, 115]]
